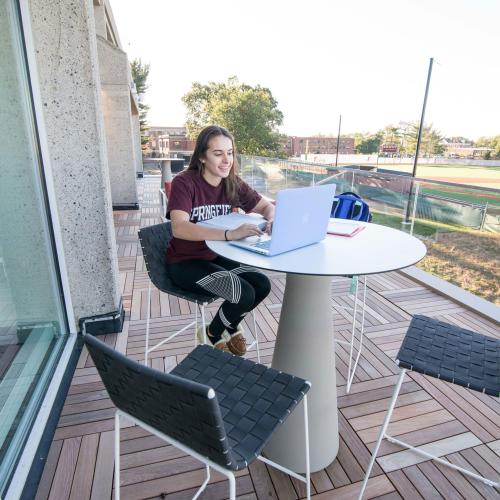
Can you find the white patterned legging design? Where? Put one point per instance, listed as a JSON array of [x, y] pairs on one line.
[[241, 287]]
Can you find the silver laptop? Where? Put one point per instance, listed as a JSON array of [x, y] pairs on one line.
[[301, 219]]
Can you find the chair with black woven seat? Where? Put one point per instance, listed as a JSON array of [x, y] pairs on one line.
[[450, 353], [219, 408], [154, 241]]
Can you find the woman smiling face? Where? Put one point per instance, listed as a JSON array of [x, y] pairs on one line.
[[217, 159]]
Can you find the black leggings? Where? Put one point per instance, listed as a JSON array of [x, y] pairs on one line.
[[242, 287]]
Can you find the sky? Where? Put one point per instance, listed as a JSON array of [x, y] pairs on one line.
[[366, 60]]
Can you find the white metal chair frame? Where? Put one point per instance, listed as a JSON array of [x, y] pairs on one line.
[[194, 324], [383, 434], [359, 303], [163, 204], [209, 463]]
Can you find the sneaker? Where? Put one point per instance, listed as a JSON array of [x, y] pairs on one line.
[[237, 342]]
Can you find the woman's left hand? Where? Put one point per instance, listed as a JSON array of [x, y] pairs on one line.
[[269, 227]]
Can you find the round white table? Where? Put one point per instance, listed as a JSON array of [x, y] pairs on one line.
[[304, 342]]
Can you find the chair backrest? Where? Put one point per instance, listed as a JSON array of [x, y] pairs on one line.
[[154, 242], [180, 408], [350, 206]]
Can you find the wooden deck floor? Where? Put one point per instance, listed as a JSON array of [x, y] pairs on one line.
[[467, 424]]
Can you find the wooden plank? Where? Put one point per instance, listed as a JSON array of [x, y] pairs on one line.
[[407, 425], [419, 437], [443, 392], [103, 477], [423, 485], [411, 410], [262, 484], [49, 470], [283, 484], [63, 478], [439, 448], [376, 486], [382, 405], [84, 473], [439, 480], [405, 487]]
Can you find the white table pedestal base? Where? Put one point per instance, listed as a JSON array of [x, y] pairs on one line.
[[305, 347]]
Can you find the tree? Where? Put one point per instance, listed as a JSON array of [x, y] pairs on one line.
[[140, 73], [490, 142], [367, 143], [430, 143], [250, 113]]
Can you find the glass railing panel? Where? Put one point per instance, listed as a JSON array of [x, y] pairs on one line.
[[460, 224]]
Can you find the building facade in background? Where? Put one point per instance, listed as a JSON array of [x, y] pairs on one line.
[[169, 142], [296, 146]]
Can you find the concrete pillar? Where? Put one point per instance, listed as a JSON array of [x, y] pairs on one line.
[[136, 133], [65, 43], [114, 73]]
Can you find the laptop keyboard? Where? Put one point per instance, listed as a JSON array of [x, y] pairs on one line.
[[263, 244]]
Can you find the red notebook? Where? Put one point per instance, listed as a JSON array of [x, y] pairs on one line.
[[341, 227]]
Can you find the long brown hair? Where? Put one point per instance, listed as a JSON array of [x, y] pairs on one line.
[[231, 182]]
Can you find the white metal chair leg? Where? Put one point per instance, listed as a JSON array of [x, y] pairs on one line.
[[351, 370], [204, 485], [308, 465], [382, 432], [255, 336], [232, 486], [307, 477], [117, 455], [203, 323], [147, 325]]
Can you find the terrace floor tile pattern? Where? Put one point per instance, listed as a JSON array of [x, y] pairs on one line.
[[79, 465]]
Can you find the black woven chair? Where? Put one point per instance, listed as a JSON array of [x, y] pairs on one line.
[[154, 242], [219, 408], [450, 353]]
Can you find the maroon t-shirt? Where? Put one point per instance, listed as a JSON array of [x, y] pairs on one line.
[[192, 194]]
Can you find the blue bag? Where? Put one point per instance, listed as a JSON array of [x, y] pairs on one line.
[[350, 206]]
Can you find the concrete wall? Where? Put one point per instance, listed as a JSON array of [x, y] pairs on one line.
[[116, 108], [65, 44]]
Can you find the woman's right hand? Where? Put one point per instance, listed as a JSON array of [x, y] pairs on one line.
[[244, 231]]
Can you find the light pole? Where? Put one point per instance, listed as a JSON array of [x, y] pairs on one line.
[[338, 141], [419, 139]]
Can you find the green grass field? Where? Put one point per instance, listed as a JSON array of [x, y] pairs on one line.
[[462, 174], [465, 257]]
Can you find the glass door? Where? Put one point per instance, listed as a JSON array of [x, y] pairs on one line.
[[33, 326]]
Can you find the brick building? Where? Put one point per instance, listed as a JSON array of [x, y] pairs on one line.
[[169, 141], [295, 146]]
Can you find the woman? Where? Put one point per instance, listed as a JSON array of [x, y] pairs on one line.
[[211, 187]]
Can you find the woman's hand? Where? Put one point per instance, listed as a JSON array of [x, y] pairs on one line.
[[244, 231], [269, 227]]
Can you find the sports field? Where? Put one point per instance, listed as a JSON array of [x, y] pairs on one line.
[[488, 177], [478, 177]]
